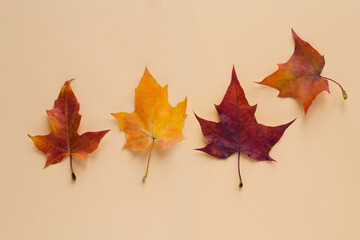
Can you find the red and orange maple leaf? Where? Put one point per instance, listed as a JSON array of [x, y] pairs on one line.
[[64, 140], [300, 76], [238, 131]]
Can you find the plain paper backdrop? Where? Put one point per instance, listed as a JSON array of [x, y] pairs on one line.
[[312, 192]]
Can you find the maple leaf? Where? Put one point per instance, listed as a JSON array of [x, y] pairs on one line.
[[64, 140], [238, 131], [154, 120], [300, 76]]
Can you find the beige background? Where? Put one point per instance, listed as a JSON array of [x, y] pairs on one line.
[[313, 191]]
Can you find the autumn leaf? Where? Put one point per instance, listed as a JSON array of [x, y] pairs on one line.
[[154, 120], [300, 76], [238, 131], [64, 140]]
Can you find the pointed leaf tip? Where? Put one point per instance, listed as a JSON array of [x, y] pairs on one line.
[[67, 83], [233, 73], [294, 34], [146, 71]]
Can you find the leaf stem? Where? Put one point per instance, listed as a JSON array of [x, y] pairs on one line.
[[148, 162], [73, 176], [345, 96], [241, 183]]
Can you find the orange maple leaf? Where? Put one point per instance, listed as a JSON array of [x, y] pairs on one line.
[[154, 120]]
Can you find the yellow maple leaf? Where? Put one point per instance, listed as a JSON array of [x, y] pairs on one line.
[[154, 120]]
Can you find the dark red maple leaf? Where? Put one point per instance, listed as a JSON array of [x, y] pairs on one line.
[[238, 131], [300, 76], [64, 140]]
